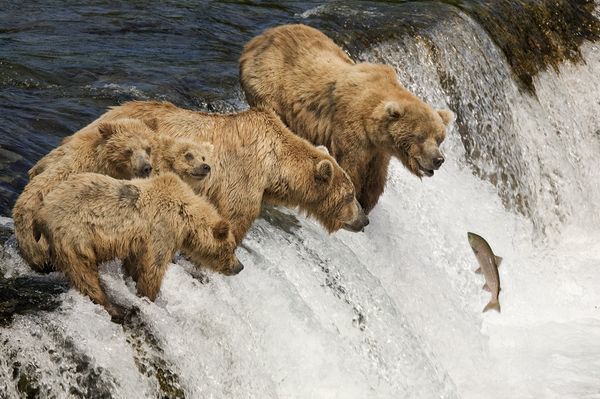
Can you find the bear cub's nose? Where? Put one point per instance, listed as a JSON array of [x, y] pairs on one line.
[[437, 162], [146, 170], [205, 168]]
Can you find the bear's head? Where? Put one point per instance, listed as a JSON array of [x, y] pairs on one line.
[[126, 146], [187, 158], [210, 241], [329, 195], [413, 132]]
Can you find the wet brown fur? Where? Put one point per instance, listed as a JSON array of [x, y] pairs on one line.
[[256, 158], [91, 218], [360, 112], [186, 158], [101, 149]]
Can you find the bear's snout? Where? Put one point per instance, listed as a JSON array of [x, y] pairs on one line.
[[201, 171], [205, 168], [237, 268], [146, 170], [360, 221]]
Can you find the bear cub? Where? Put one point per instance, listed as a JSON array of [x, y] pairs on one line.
[[91, 218]]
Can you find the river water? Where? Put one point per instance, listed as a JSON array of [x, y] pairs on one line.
[[394, 312]]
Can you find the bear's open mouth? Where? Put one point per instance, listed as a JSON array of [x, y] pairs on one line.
[[425, 171], [199, 175]]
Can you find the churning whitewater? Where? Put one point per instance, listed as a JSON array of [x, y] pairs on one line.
[[394, 312]]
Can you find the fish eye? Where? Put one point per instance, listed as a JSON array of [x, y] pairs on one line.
[[189, 156]]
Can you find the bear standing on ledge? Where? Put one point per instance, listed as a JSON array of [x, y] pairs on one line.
[[121, 149], [359, 111], [256, 158], [91, 218]]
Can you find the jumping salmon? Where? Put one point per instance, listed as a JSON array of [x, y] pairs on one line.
[[488, 266]]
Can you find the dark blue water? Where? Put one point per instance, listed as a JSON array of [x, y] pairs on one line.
[[63, 62]]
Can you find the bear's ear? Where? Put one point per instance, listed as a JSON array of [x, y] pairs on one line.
[[323, 149], [393, 109], [324, 171], [152, 123], [446, 115], [221, 230], [106, 129]]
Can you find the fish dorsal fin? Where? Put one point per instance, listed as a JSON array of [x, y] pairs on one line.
[[498, 260]]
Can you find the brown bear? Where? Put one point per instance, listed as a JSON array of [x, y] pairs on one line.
[[123, 155], [189, 159], [122, 149], [359, 111], [257, 158], [90, 218]]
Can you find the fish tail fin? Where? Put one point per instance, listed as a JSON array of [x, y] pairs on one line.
[[492, 304]]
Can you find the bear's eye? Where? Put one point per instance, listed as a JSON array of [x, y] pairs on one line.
[[149, 151], [129, 152], [203, 159], [349, 198], [189, 156], [420, 138]]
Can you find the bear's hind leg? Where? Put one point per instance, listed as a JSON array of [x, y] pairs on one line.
[[82, 271]]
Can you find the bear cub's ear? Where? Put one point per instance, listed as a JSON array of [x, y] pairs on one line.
[[106, 129], [324, 171], [393, 109], [446, 115], [221, 230]]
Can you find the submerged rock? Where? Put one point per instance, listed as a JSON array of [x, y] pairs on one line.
[[29, 294]]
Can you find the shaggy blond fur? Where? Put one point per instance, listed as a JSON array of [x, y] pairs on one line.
[[91, 218], [192, 161], [257, 158], [122, 149], [359, 111]]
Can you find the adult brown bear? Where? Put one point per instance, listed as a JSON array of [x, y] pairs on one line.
[[359, 111], [256, 158]]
